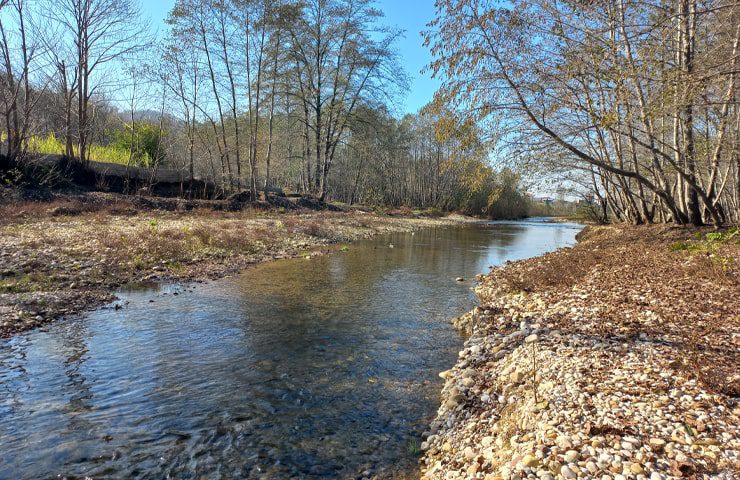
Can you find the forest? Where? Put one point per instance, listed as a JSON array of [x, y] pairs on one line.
[[630, 107], [245, 95], [634, 102]]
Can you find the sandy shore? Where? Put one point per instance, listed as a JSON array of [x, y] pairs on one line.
[[62, 258], [616, 359]]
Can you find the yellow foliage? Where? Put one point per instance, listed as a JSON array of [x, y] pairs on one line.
[[51, 145]]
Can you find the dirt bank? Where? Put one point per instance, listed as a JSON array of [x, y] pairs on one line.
[[616, 359], [61, 257]]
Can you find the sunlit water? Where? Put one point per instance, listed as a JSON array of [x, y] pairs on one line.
[[321, 368]]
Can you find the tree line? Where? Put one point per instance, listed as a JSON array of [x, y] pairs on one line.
[[246, 94], [634, 101]]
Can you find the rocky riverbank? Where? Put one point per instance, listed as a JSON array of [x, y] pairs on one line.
[[62, 257], [616, 359]]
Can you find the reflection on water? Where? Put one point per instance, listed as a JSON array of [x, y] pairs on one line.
[[297, 368]]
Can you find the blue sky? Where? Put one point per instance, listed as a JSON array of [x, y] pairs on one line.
[[409, 15]]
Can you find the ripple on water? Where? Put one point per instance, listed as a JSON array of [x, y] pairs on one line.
[[323, 368]]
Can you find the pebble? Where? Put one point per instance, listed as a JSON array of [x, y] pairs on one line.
[[469, 453], [571, 456], [531, 338], [597, 406], [657, 442], [566, 472], [516, 377]]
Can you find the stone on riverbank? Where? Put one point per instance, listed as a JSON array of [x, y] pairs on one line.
[[584, 372]]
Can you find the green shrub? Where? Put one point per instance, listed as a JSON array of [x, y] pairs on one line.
[[414, 446], [679, 246], [142, 142], [715, 236], [51, 145], [725, 236], [708, 243]]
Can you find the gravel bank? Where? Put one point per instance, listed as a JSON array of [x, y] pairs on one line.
[[617, 359], [62, 258]]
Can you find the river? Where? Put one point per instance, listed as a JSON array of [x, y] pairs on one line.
[[318, 368]]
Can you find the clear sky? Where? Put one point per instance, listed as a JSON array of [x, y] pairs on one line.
[[409, 15]]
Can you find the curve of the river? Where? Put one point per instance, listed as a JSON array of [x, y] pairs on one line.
[[320, 368]]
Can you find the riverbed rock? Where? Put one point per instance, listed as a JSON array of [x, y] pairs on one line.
[[516, 376], [571, 456], [532, 338], [566, 472]]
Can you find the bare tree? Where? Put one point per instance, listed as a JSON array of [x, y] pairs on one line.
[[15, 83], [602, 86], [102, 32], [341, 64]]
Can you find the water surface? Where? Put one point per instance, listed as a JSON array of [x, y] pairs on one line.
[[320, 368]]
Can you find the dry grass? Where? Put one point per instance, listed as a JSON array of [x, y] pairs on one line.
[[45, 247], [15, 212], [181, 239], [32, 211], [317, 227]]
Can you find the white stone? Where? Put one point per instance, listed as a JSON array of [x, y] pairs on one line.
[[571, 456], [567, 472], [563, 442]]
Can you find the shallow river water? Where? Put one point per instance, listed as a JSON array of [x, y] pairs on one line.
[[320, 368]]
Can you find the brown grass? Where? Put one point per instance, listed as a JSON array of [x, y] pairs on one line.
[[11, 213], [149, 244], [105, 241], [316, 228]]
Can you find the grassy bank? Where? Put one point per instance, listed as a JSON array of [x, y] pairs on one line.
[[614, 359], [65, 256]]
